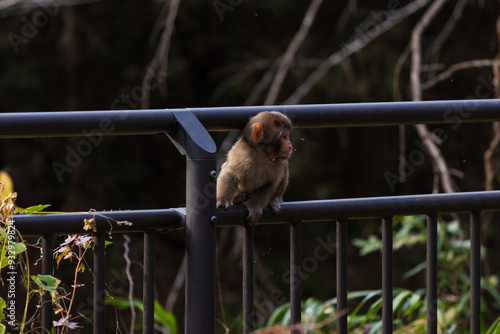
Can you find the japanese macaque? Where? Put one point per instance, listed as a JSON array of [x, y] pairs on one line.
[[255, 174]]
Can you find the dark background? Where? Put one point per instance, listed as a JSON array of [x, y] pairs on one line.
[[89, 56]]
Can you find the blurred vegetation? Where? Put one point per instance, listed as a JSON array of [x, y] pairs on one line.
[[93, 56], [410, 306]]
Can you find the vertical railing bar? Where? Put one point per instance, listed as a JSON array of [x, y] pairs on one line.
[[248, 278], [387, 275], [295, 269], [99, 293], [432, 258], [149, 282], [47, 269], [342, 276], [193, 140], [475, 272]]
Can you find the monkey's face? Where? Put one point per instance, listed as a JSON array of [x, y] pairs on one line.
[[278, 146], [285, 145], [270, 131]]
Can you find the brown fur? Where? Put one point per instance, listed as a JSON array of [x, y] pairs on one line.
[[256, 171]]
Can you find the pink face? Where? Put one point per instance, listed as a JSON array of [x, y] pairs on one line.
[[286, 146]]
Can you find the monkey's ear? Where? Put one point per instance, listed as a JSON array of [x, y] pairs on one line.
[[257, 133]]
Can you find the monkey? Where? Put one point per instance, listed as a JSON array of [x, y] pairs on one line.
[[255, 173]]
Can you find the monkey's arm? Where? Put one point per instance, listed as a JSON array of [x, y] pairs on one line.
[[226, 188]]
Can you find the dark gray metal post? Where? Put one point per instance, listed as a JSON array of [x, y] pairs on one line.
[[99, 293], [248, 279], [191, 138], [475, 273], [148, 289], [342, 276], [295, 270], [432, 298], [47, 269], [387, 275]]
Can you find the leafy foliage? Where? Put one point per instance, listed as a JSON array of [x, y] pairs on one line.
[[165, 322], [410, 307]]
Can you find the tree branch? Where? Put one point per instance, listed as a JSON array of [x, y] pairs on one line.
[[491, 165], [287, 58], [159, 64], [435, 48], [438, 161], [353, 47], [457, 67]]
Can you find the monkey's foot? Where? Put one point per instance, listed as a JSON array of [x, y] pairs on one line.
[[241, 198], [275, 205]]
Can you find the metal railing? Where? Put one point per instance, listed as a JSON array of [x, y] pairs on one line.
[[188, 129]]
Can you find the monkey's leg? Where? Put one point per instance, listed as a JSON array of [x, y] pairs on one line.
[[240, 199], [256, 202], [276, 200]]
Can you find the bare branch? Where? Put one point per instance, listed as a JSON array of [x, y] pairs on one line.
[[243, 70], [435, 48], [438, 161], [353, 47], [416, 46], [457, 67], [159, 63], [287, 58], [19, 7], [491, 159], [176, 287], [491, 166], [261, 85]]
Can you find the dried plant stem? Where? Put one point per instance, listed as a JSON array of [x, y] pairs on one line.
[[130, 281]]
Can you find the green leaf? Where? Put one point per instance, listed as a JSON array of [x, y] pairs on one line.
[[398, 301], [163, 318], [376, 327], [415, 270], [46, 282], [370, 245], [166, 319], [32, 209], [368, 295], [2, 306], [19, 247], [413, 303], [494, 328], [278, 314]]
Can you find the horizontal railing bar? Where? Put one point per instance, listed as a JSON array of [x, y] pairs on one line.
[[154, 121], [85, 123], [305, 211], [453, 112], [369, 207], [72, 223]]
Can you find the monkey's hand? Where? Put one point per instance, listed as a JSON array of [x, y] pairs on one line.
[[275, 205], [223, 204]]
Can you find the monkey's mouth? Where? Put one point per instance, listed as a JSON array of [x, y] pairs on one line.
[[284, 155]]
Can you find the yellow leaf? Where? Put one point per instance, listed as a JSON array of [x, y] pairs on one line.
[[8, 184], [89, 224]]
